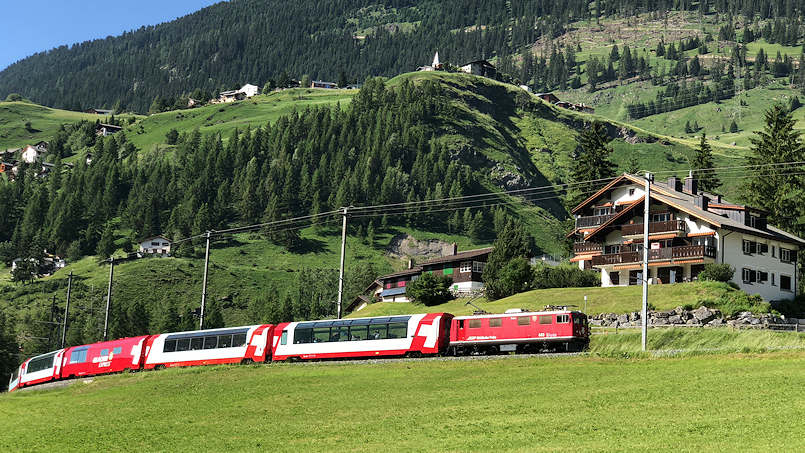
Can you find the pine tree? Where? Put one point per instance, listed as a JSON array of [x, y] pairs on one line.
[[708, 180], [106, 246], [776, 190], [733, 127], [591, 162]]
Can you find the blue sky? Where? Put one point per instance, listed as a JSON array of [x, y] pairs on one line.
[[36, 25]]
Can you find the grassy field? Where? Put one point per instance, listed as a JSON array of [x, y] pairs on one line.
[[45, 121], [621, 299], [223, 118], [714, 402]]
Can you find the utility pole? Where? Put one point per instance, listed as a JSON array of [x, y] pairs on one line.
[[66, 309], [108, 298], [646, 218], [204, 281], [341, 268]]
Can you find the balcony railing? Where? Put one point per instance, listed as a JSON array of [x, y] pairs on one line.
[[592, 221], [670, 226], [587, 247], [667, 253]]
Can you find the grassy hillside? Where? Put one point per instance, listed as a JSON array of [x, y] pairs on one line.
[[223, 118], [621, 299], [714, 402], [45, 121]]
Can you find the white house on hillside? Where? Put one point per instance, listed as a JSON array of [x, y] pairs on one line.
[[155, 246], [31, 154], [250, 90], [687, 230]]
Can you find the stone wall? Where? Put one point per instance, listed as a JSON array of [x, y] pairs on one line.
[[701, 316]]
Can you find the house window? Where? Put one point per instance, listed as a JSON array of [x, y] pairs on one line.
[[773, 252], [661, 217], [754, 221], [749, 275], [631, 192], [155, 244], [785, 282], [772, 280], [749, 247], [762, 277], [478, 266], [466, 266], [610, 249], [602, 211], [762, 248], [786, 255]]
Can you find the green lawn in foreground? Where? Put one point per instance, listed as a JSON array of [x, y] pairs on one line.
[[722, 402]]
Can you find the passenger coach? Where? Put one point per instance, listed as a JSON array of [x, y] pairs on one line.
[[37, 370], [412, 336], [207, 347], [520, 331], [125, 354]]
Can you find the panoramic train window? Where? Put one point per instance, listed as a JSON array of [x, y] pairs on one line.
[[351, 330], [183, 344], [399, 330], [523, 321], [474, 323], [170, 346], [546, 319], [78, 356], [40, 363], [224, 341], [196, 343], [495, 322], [238, 340], [15, 373], [210, 342], [562, 319], [284, 338]]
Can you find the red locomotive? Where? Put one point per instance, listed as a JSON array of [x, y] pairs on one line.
[[520, 330]]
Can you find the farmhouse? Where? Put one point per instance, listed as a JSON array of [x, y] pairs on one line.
[[99, 111], [31, 154], [250, 90], [688, 228], [480, 68], [155, 246], [465, 268], [321, 84], [104, 130]]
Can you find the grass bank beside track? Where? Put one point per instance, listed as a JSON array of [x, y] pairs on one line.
[[710, 402]]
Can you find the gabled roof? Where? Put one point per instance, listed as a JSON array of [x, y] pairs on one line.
[[459, 256], [686, 202], [412, 271], [481, 62], [154, 237]]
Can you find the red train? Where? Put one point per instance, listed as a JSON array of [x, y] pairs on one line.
[[390, 336]]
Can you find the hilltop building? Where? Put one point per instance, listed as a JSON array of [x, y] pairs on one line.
[[688, 229], [434, 66], [480, 68], [465, 268], [155, 246]]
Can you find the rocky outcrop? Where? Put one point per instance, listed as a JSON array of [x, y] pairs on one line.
[[701, 316], [506, 179], [404, 245]]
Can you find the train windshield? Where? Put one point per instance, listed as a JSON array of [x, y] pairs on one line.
[[40, 363]]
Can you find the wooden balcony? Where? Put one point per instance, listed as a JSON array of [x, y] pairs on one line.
[[580, 248], [670, 226], [663, 254], [592, 221]]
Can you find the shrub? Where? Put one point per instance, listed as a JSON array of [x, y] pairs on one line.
[[514, 277], [563, 276], [430, 289], [172, 136], [717, 272]]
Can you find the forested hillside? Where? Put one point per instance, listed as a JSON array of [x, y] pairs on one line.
[[241, 41]]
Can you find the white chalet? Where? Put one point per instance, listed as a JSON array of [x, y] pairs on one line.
[[687, 230], [31, 154], [250, 90], [155, 246]]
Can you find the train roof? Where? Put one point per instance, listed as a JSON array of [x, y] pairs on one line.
[[521, 313]]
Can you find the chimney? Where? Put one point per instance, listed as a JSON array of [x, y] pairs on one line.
[[702, 201], [455, 248], [674, 183], [690, 184]]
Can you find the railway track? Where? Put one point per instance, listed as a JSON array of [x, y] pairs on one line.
[[547, 355]]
